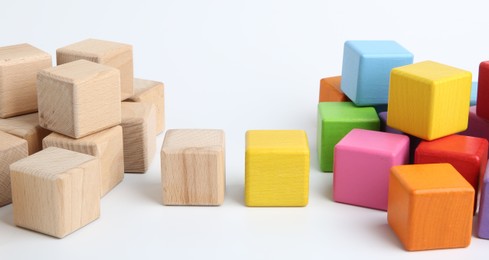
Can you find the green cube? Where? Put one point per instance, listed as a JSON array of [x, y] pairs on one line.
[[335, 120]]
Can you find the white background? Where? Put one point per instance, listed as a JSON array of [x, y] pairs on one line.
[[239, 65]]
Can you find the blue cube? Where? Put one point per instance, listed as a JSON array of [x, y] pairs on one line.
[[366, 69], [473, 94]]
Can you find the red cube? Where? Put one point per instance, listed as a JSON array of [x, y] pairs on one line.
[[483, 91]]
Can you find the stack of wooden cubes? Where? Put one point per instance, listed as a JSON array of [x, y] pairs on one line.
[[94, 120]]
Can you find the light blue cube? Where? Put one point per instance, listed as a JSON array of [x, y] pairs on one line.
[[473, 94], [366, 69]]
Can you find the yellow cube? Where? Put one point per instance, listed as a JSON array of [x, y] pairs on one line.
[[276, 168], [429, 100]]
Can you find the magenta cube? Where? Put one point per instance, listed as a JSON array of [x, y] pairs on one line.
[[478, 126], [362, 163]]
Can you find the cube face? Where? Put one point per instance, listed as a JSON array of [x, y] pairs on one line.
[[12, 149], [483, 217], [478, 127], [330, 90], [276, 168], [483, 91], [430, 206], [429, 100], [26, 127], [366, 68], [106, 145], [365, 182], [151, 92], [139, 132], [79, 98], [193, 167], [335, 120], [466, 153], [113, 54], [59, 187], [19, 65]]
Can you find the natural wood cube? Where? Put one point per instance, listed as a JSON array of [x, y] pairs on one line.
[[429, 100], [114, 54], [139, 131], [26, 127], [430, 206], [276, 168], [193, 167], [55, 191], [107, 145], [19, 65], [12, 149], [79, 98], [330, 90], [152, 92]]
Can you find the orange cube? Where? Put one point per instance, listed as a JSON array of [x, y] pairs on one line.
[[330, 90], [430, 206]]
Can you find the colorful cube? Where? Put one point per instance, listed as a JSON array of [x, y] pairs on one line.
[[12, 149], [483, 217], [193, 168], [19, 65], [330, 90], [276, 168], [473, 93], [79, 98], [362, 163], [466, 153], [335, 120], [366, 69], [430, 206], [483, 91], [113, 54], [478, 127], [429, 100], [55, 191]]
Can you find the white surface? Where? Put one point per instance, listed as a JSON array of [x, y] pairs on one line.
[[239, 65]]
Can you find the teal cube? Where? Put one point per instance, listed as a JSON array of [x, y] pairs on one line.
[[366, 70], [335, 120]]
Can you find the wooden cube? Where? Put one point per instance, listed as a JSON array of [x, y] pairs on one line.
[[430, 206], [139, 132], [429, 100], [193, 167], [151, 92], [26, 127], [12, 149], [19, 65], [483, 216], [55, 191], [362, 163], [478, 127], [466, 153], [473, 93], [276, 168], [79, 98], [107, 145], [114, 54], [366, 69], [330, 90], [335, 120]]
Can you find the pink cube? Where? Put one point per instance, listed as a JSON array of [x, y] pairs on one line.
[[362, 163]]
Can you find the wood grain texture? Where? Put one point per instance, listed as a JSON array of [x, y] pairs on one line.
[[430, 206], [152, 92], [114, 54], [276, 168], [429, 100], [193, 167], [12, 149], [55, 191], [330, 90], [107, 145], [79, 98], [26, 127], [19, 65], [139, 132]]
